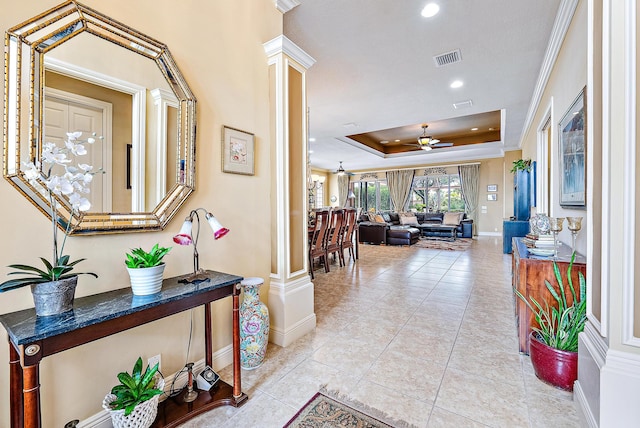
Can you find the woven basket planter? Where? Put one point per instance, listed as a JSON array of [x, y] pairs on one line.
[[142, 415]]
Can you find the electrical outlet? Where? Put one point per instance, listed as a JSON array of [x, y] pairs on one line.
[[152, 361]]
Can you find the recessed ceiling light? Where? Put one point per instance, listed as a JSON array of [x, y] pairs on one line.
[[397, 141], [474, 129], [430, 10], [310, 151], [312, 139], [490, 129], [456, 84]]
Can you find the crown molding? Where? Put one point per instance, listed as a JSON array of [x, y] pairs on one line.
[[282, 44], [560, 27], [285, 6]]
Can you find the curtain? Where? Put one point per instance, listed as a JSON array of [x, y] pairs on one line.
[[343, 189], [469, 182], [399, 183]]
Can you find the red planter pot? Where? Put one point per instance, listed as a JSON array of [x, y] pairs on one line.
[[552, 366]]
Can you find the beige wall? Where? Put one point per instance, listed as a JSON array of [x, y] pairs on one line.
[[567, 79], [218, 47]]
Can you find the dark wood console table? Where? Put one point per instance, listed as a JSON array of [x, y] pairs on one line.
[[529, 272], [93, 317]]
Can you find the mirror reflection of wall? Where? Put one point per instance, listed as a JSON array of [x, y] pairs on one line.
[[118, 136], [149, 166]]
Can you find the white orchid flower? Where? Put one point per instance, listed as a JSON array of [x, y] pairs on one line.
[[85, 167], [31, 171], [76, 149], [72, 136], [60, 185], [78, 203]]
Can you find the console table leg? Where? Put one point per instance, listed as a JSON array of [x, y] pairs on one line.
[[15, 388], [208, 352], [237, 387], [31, 396]]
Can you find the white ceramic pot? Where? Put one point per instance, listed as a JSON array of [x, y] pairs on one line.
[[145, 281]]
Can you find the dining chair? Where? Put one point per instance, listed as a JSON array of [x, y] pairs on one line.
[[318, 242], [349, 229], [335, 235]]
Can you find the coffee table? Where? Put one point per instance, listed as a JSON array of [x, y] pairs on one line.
[[424, 228]]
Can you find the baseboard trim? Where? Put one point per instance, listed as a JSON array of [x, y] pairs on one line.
[[286, 338], [586, 416], [220, 359], [489, 233]]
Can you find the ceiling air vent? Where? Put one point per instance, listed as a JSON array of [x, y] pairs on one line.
[[447, 58], [462, 104]]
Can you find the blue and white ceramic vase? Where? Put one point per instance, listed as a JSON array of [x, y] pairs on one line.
[[254, 325]]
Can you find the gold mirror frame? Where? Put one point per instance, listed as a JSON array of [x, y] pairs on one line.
[[25, 46]]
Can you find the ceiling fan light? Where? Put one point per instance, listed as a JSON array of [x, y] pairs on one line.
[[340, 170], [426, 148]]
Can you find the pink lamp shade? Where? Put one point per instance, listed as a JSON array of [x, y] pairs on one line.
[[184, 236], [218, 230]]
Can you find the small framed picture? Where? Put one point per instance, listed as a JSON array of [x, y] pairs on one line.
[[492, 197], [237, 151], [492, 188]]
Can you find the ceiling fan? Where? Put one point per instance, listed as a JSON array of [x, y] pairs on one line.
[[427, 142], [342, 171]]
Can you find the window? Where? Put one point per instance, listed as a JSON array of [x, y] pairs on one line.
[[437, 193], [319, 195], [372, 195]]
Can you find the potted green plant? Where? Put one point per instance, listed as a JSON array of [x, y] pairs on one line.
[[53, 287], [134, 402], [521, 165], [553, 343], [146, 269]]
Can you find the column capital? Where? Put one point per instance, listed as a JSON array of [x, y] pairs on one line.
[[285, 6], [282, 45]]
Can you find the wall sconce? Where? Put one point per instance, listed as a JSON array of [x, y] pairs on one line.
[[186, 237]]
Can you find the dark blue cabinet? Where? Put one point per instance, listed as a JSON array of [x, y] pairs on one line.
[[511, 229], [524, 194]]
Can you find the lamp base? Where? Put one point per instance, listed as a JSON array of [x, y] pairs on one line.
[[197, 277]]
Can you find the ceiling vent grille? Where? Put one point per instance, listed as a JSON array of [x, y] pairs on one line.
[[462, 104], [447, 58]]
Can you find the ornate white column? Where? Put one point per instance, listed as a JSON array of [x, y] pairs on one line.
[[291, 290], [609, 349]]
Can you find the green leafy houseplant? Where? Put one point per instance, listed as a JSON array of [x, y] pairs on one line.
[[521, 165], [138, 258], [135, 388], [55, 176], [559, 327]]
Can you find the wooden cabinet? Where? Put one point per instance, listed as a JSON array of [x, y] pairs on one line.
[[528, 275]]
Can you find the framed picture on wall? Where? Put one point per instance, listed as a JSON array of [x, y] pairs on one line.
[[492, 197], [237, 151], [492, 188], [573, 148]]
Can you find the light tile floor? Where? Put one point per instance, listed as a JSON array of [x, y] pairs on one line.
[[426, 336]]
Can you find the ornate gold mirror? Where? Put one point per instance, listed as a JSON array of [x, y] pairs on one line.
[[73, 69]]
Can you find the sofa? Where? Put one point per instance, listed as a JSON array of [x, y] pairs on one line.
[[384, 228]]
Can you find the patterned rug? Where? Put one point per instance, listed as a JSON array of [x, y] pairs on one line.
[[460, 244], [324, 412]]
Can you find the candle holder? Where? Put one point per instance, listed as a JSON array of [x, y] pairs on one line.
[[556, 227], [574, 224]]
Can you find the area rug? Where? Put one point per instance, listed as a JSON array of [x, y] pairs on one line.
[[460, 244], [327, 410]]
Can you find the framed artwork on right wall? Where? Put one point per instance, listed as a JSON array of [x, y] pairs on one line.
[[572, 138]]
